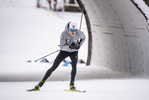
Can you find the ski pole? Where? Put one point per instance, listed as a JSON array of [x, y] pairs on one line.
[[47, 55], [81, 17]]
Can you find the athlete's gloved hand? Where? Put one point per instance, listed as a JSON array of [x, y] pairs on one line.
[[72, 46]]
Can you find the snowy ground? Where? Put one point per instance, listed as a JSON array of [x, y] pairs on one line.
[[95, 90], [28, 33]]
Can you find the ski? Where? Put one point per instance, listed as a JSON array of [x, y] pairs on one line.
[[76, 91], [34, 89]]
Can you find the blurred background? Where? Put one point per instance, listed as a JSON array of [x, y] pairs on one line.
[[31, 29]]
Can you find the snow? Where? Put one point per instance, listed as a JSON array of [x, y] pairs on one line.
[[28, 33], [95, 90], [141, 4]]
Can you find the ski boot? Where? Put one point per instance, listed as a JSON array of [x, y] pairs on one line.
[[72, 87], [40, 84]]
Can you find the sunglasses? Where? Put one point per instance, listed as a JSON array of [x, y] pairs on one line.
[[73, 30]]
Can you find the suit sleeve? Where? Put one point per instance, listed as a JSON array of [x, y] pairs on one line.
[[63, 43]]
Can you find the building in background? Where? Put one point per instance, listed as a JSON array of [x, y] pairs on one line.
[[59, 5]]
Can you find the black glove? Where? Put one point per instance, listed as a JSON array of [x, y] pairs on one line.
[[72, 46], [78, 44]]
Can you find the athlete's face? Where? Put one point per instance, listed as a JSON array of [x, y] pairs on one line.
[[73, 31]]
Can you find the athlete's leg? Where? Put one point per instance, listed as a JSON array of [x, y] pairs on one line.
[[61, 56], [74, 59]]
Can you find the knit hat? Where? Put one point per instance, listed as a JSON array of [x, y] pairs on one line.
[[73, 25]]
